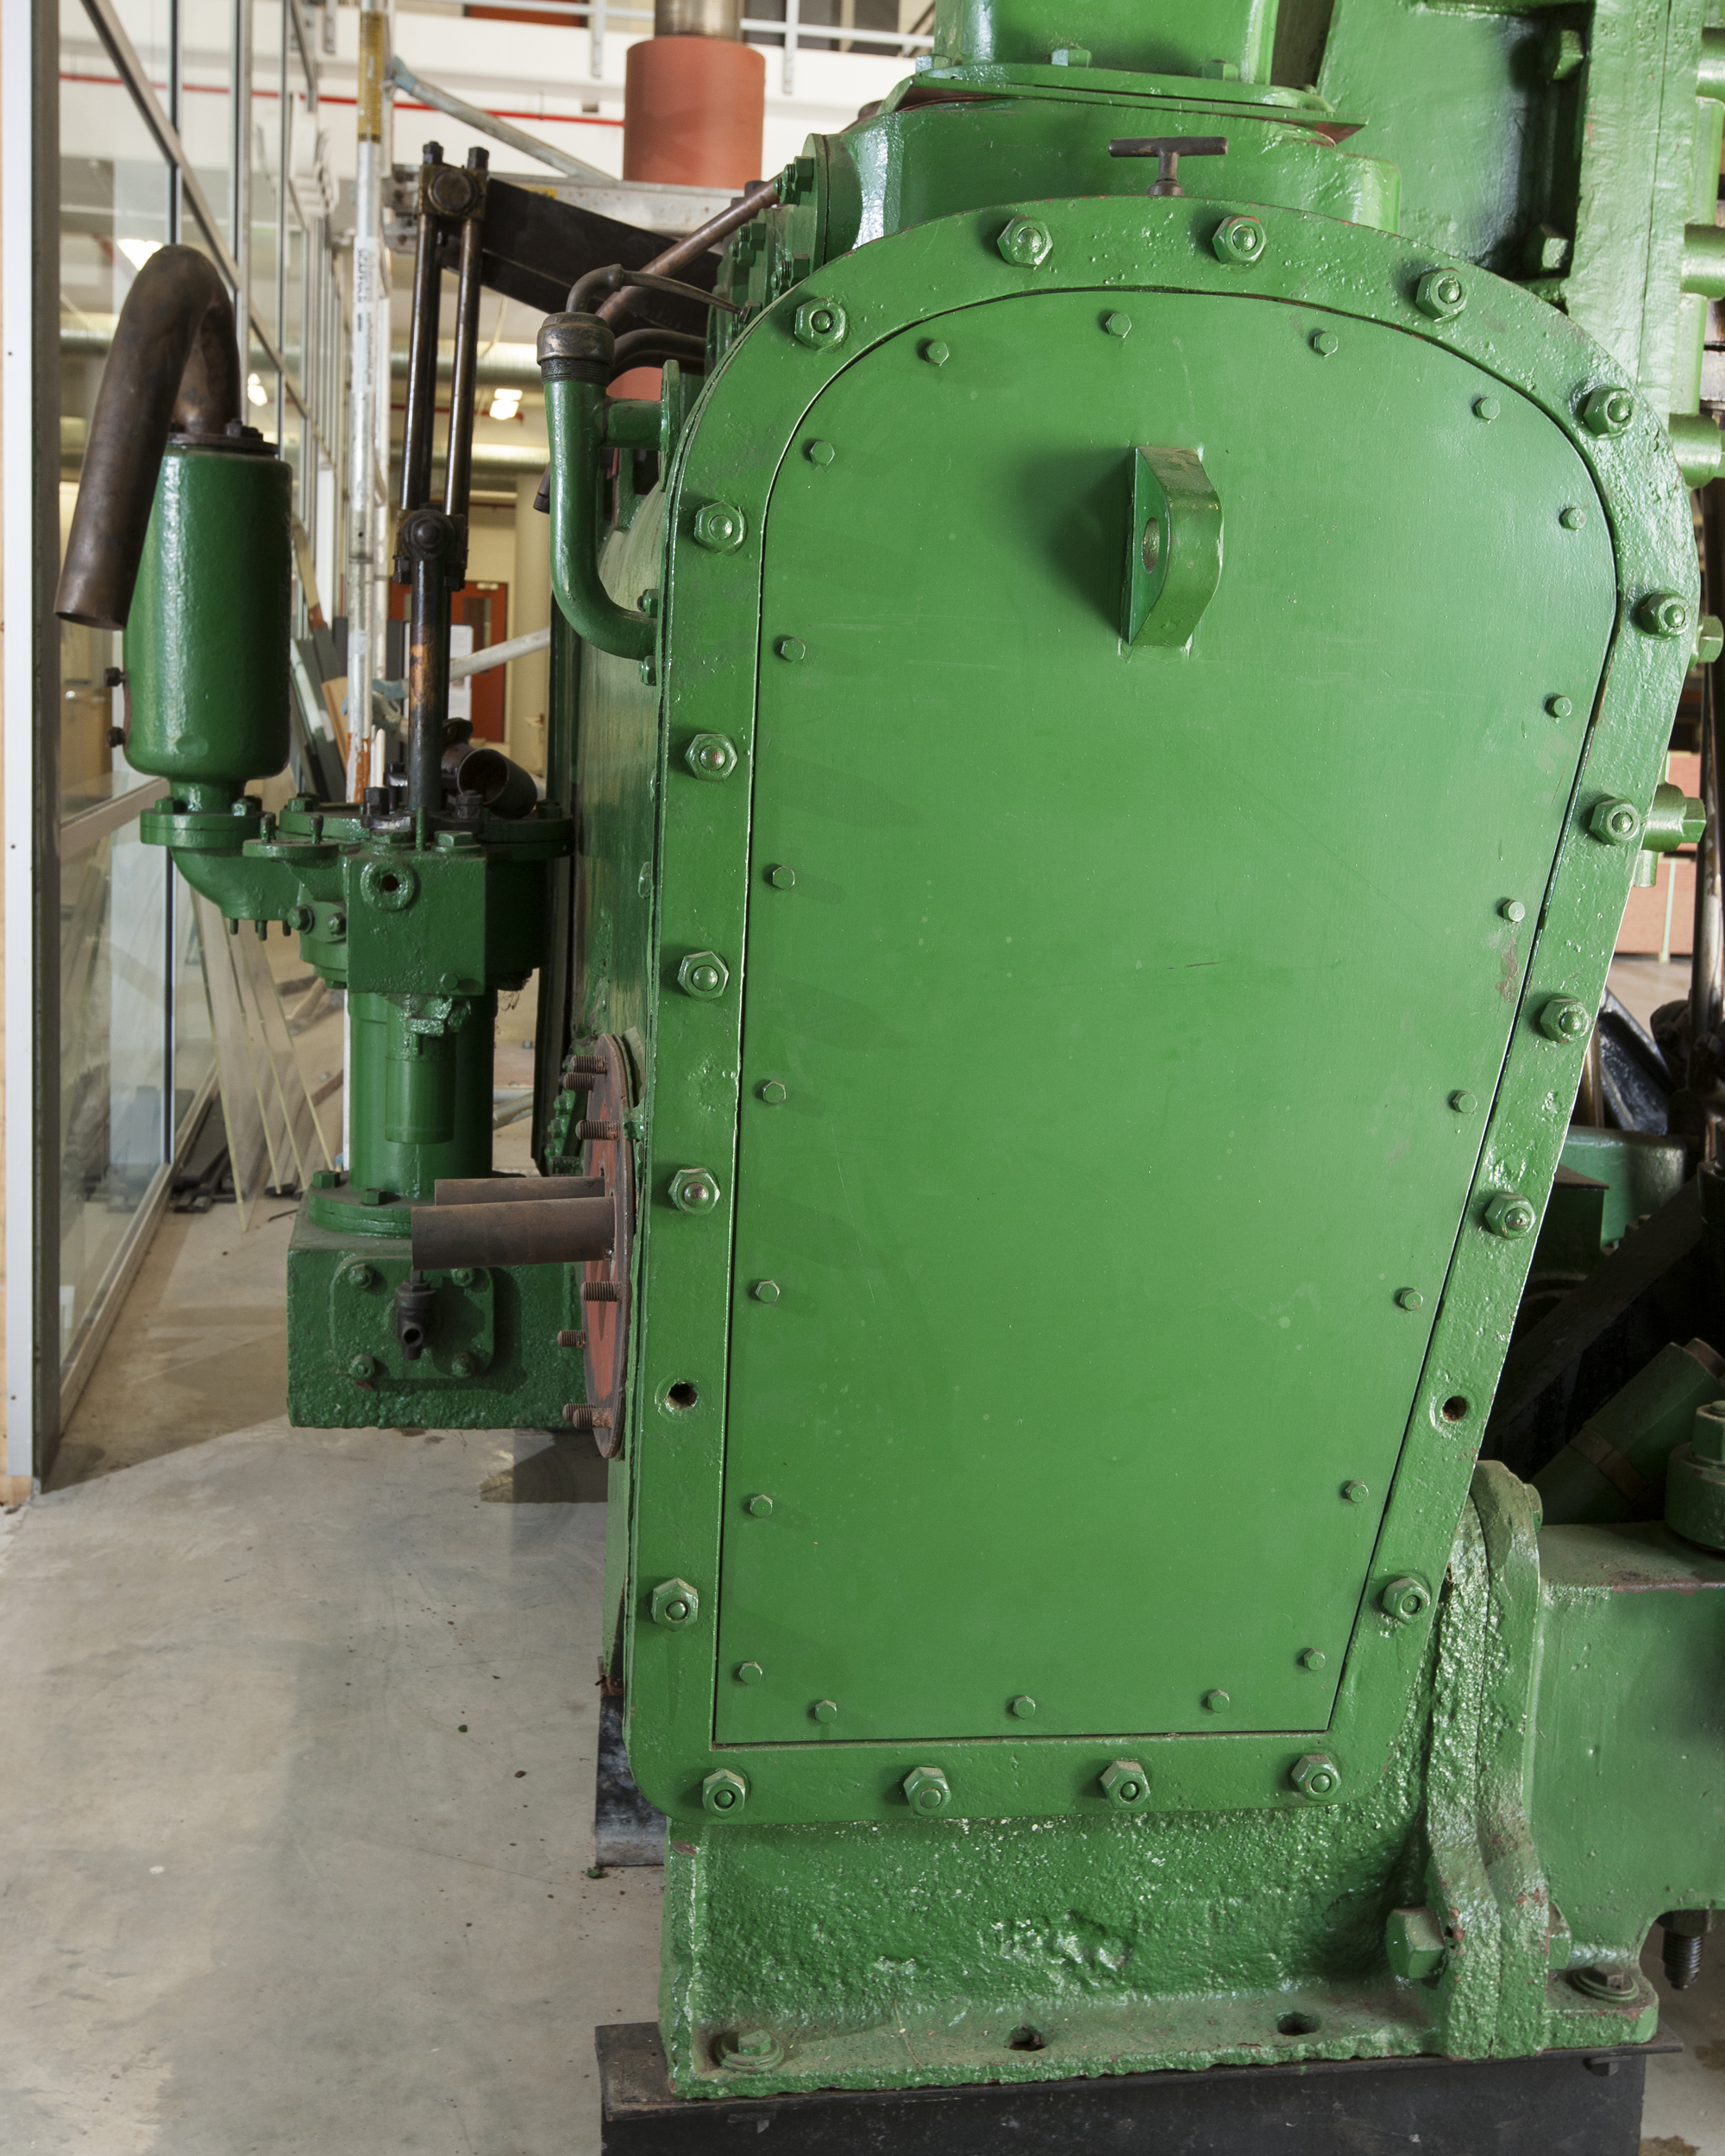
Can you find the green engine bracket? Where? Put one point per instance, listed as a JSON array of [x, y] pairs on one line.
[[1174, 547]]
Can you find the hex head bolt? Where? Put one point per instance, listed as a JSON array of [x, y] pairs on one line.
[[711, 757], [1440, 295], [1025, 242], [1125, 1784], [1509, 1216], [926, 1791], [1616, 823], [1239, 241], [1168, 150], [1606, 411], [1316, 1777]]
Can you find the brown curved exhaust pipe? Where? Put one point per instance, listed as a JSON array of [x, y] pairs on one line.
[[174, 363]]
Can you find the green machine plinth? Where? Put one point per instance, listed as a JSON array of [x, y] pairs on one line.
[[1156, 707]]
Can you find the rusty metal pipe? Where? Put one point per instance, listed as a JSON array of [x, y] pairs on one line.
[[474, 766], [492, 1190], [748, 204], [559, 1233], [174, 363]]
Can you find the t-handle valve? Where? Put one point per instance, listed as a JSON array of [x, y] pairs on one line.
[[1168, 150]]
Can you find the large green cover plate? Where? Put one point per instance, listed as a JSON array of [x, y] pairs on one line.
[[1121, 998]]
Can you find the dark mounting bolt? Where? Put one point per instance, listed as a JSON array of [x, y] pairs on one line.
[[1168, 150], [1682, 1959], [601, 1131], [601, 1291], [571, 1340], [116, 737], [586, 1418], [585, 1067], [1685, 1929], [414, 1302], [429, 532], [113, 677]]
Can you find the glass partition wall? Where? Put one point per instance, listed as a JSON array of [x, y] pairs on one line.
[[140, 122]]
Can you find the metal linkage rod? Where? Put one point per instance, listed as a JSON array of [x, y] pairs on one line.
[[422, 352], [459, 464]]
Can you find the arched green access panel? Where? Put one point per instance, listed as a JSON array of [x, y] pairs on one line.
[[1119, 996]]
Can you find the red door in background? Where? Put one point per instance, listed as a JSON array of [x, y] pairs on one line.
[[483, 608]]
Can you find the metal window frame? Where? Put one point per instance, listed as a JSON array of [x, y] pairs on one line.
[[39, 1391], [30, 478]]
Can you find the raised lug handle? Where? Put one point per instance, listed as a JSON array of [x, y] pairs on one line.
[[1174, 547]]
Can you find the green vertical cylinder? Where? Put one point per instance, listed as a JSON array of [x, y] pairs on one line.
[[206, 648], [419, 1105]]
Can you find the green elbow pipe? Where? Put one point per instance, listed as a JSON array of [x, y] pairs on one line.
[[575, 420]]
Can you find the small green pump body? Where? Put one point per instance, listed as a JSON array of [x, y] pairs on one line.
[[207, 639], [421, 926]]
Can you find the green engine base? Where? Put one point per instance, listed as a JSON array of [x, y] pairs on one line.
[[491, 1360], [1455, 1907]]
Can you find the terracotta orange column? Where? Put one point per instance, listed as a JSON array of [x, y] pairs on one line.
[[694, 99]]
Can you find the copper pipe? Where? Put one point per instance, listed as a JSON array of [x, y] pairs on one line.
[[174, 363], [761, 196]]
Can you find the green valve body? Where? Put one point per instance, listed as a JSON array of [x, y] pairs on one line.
[[206, 643]]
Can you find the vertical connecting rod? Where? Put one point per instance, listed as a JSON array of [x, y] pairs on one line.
[[459, 465], [421, 352], [430, 536]]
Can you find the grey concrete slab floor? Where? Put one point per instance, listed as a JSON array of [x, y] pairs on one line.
[[299, 1760]]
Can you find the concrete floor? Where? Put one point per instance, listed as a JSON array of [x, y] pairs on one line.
[[263, 1892]]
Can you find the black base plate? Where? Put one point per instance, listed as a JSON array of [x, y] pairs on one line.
[[1561, 2103]]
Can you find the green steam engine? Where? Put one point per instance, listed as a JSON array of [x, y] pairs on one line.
[[1104, 723]]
